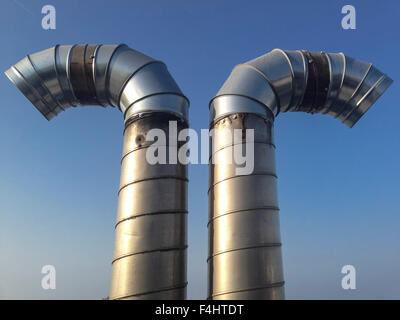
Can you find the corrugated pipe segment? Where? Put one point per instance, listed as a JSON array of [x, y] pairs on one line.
[[244, 238], [151, 237]]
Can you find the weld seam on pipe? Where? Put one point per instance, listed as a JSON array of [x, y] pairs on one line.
[[152, 292], [150, 251], [44, 87], [381, 79], [151, 95], [240, 143], [241, 211], [130, 77], [154, 178], [140, 148], [272, 285], [268, 81], [151, 214], [346, 103], [263, 245], [57, 71], [240, 176], [107, 79], [36, 93], [238, 95]]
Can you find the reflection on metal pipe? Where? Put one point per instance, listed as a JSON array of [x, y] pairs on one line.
[[150, 242], [244, 239]]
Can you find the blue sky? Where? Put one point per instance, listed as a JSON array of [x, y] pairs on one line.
[[338, 187]]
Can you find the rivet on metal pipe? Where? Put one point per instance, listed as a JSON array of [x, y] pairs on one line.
[[245, 259], [151, 230]]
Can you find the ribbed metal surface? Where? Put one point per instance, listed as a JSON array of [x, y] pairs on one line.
[[282, 80], [244, 216], [150, 239], [244, 243], [63, 76], [150, 234]]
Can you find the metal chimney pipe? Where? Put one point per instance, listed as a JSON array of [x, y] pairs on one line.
[[245, 259], [150, 239]]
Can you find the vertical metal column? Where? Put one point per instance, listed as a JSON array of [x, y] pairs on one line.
[[244, 244], [244, 239], [150, 240], [150, 250]]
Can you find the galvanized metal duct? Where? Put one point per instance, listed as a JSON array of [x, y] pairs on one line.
[[244, 239], [151, 238]]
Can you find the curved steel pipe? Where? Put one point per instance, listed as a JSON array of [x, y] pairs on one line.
[[244, 239], [151, 238]]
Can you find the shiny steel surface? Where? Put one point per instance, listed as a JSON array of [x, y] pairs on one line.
[[150, 80], [368, 100], [44, 78], [244, 260], [259, 90], [337, 65], [150, 234], [103, 56], [48, 73], [124, 63], [171, 103], [277, 70], [62, 55], [299, 68], [278, 80], [355, 73], [150, 238], [226, 105]]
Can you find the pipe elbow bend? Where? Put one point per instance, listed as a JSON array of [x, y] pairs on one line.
[[312, 82], [75, 75]]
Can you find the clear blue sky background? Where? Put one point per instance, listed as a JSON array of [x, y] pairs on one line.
[[338, 187]]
